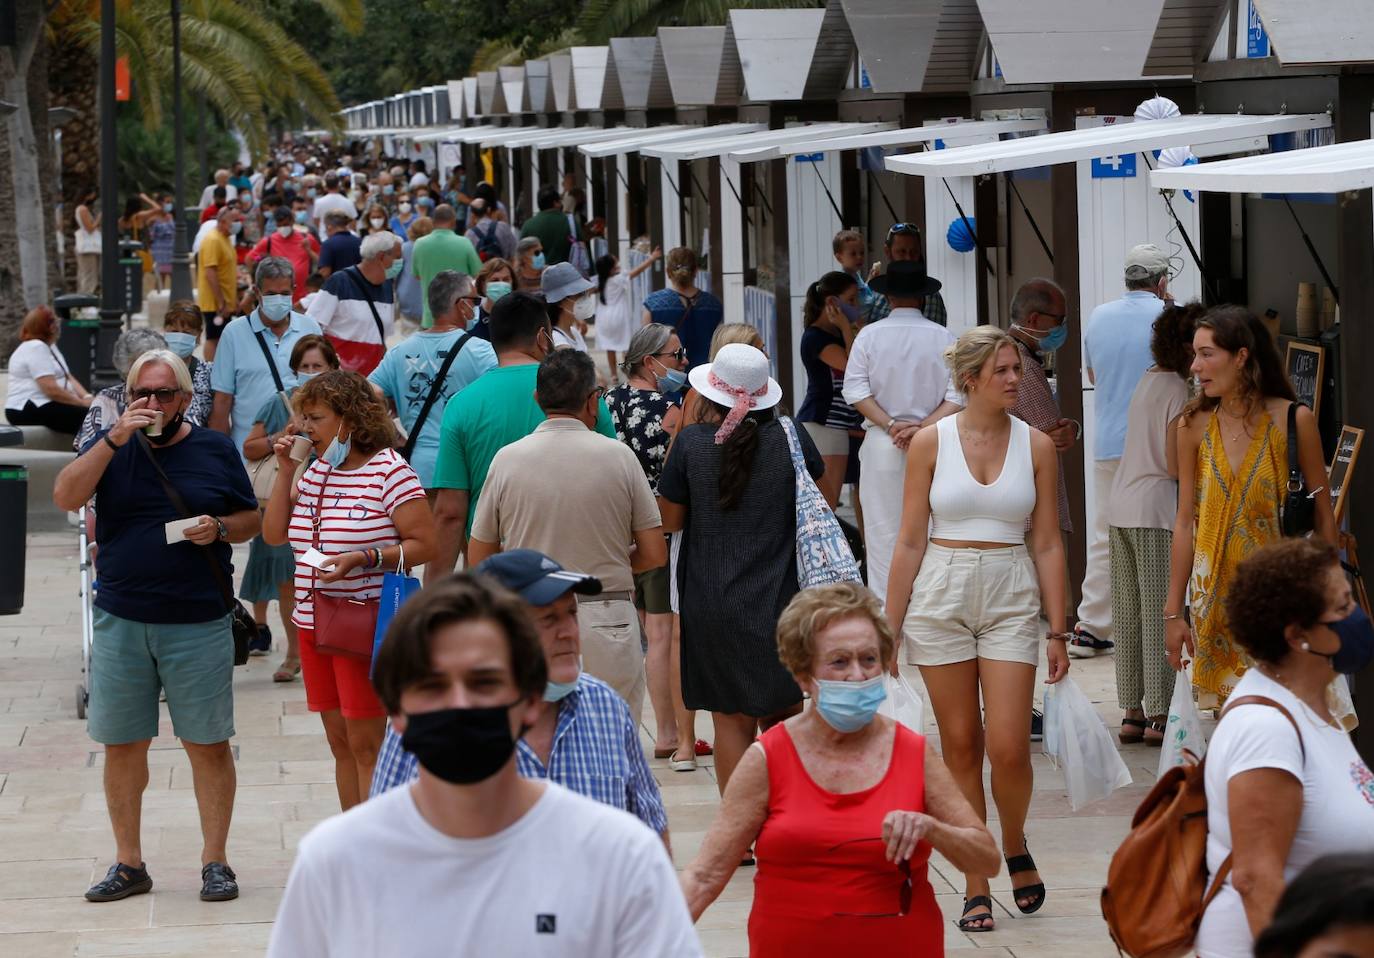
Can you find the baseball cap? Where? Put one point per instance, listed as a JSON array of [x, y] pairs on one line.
[[535, 577], [1145, 260]]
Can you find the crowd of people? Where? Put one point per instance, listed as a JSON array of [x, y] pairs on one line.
[[405, 380]]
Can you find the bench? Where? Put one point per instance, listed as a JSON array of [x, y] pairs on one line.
[[41, 437]]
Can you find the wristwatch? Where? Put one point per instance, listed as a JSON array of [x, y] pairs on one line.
[[222, 528]]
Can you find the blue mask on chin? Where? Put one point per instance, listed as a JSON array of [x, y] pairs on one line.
[[671, 379], [558, 691], [849, 706], [337, 452]]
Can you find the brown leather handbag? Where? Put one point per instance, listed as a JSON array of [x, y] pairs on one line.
[[344, 626], [1157, 887]]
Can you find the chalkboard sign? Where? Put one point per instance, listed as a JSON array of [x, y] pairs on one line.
[[1347, 449], [1305, 364]]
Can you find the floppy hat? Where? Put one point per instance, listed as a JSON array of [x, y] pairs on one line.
[[562, 280], [738, 378], [535, 577], [1146, 260], [905, 278]]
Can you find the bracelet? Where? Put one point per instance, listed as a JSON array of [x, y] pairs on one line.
[[1171, 617], [1060, 636], [110, 442], [890, 423]]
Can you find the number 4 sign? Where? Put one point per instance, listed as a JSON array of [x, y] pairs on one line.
[[1114, 167]]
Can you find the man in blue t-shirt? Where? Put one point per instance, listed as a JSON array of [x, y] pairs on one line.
[[342, 247], [407, 374], [162, 613], [1116, 353]]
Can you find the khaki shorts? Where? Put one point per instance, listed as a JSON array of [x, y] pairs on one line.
[[829, 440], [974, 604]]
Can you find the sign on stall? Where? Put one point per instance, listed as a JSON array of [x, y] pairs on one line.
[[1338, 477], [1304, 363], [1113, 167]]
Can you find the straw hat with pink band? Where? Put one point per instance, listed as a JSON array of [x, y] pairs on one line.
[[738, 379]]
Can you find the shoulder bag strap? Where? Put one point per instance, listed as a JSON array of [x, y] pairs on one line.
[[1295, 480], [226, 590], [359, 281], [434, 389], [271, 363], [1225, 867]]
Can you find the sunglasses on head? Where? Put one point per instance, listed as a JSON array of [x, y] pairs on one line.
[[903, 229]]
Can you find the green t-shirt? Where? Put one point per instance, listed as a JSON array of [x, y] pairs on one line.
[[551, 227], [441, 250], [495, 411]]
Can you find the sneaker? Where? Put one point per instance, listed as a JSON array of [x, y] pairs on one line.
[[121, 881], [263, 643], [1084, 645], [1037, 726]]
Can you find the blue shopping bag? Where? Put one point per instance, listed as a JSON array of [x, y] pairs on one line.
[[823, 553], [396, 588]]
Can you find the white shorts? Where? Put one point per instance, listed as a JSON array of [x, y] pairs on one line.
[[974, 604]]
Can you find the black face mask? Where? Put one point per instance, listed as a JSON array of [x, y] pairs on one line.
[[461, 746], [169, 431], [1357, 643]]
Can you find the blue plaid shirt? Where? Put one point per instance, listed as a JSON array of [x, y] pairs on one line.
[[874, 306], [596, 753]]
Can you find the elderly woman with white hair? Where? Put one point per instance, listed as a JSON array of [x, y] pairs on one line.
[[109, 404], [356, 307], [170, 498]]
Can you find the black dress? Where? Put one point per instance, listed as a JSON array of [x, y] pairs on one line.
[[737, 571]]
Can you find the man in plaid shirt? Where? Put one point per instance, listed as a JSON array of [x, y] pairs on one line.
[[585, 739], [903, 243]]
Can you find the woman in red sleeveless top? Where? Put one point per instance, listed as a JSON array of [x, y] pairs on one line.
[[842, 805]]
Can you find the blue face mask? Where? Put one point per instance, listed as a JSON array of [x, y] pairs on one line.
[[1049, 342], [498, 290], [167, 207], [671, 380], [388, 189], [849, 706], [303, 378], [276, 306], [538, 261], [302, 217], [1357, 643], [851, 313], [183, 344], [394, 269], [558, 691], [337, 452]]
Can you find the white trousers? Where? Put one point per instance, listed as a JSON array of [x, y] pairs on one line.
[[1095, 610], [882, 469]]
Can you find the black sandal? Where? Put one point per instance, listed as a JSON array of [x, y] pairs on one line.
[[966, 922], [1016, 865], [1132, 738], [1155, 725], [218, 883], [121, 881]]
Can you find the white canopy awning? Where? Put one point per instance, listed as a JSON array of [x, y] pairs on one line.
[[475, 134], [400, 131], [909, 136], [667, 134], [435, 136], [1113, 139], [696, 150], [551, 136], [1317, 169]]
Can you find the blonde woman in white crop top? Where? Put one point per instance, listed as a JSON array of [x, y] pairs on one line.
[[972, 614]]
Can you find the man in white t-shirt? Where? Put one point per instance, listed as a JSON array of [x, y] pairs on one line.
[[332, 199], [473, 859]]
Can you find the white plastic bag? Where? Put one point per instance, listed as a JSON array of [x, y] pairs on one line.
[[903, 705], [1078, 740], [1183, 732]]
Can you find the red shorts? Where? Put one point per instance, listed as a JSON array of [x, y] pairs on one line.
[[335, 682]]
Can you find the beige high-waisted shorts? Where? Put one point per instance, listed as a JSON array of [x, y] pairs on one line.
[[974, 604]]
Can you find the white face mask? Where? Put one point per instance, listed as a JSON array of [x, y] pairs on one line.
[[284, 231], [378, 224], [405, 208], [585, 308]]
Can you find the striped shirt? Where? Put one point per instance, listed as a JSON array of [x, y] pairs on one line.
[[596, 753], [356, 515], [341, 308]]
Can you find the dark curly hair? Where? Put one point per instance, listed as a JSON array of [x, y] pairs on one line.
[[1276, 586], [1263, 377], [1171, 343], [353, 399], [1335, 891]]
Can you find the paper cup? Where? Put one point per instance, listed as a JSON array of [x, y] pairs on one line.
[[300, 448], [156, 428]]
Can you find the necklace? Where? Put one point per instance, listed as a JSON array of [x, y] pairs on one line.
[[1243, 419], [973, 439]]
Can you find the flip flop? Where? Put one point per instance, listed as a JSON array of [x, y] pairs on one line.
[[285, 674]]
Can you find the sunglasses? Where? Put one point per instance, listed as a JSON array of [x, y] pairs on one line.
[[680, 354], [904, 894], [903, 229], [164, 397]]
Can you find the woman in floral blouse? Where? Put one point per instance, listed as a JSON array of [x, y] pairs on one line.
[[646, 416]]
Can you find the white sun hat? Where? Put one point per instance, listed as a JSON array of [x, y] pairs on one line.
[[739, 380]]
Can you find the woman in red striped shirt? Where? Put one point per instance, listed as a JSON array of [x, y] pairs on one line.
[[362, 506]]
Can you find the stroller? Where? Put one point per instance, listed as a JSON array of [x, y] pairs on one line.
[[85, 541]]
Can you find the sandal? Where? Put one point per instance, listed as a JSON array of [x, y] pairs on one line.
[[966, 921], [287, 673], [1035, 894], [121, 881], [748, 859], [1131, 737], [688, 764], [702, 747], [218, 883], [1154, 733]]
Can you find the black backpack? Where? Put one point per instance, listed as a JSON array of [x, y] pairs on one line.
[[487, 245]]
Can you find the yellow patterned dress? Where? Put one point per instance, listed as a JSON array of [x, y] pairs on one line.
[[1235, 514]]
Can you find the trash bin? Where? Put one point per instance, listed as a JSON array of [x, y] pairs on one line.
[[14, 495], [79, 333], [131, 269]]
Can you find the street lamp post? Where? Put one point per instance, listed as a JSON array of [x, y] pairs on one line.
[[111, 285], [181, 250]]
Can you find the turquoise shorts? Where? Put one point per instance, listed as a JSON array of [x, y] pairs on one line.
[[131, 661]]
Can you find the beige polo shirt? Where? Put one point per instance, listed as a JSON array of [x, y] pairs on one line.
[[572, 494]]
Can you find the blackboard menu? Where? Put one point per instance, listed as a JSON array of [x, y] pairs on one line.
[[1347, 449], [1304, 363]]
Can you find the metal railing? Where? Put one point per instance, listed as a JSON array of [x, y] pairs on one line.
[[761, 312]]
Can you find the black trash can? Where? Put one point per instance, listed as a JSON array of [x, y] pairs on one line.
[[14, 521], [131, 269], [79, 334]]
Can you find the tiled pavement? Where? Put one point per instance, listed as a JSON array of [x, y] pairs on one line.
[[55, 838]]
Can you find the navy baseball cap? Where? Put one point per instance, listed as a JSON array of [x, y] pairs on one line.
[[535, 577]]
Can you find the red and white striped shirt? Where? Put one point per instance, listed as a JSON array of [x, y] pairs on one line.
[[356, 515]]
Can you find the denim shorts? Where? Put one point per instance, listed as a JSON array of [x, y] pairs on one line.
[[131, 661]]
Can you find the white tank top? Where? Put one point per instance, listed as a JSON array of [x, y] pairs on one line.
[[961, 507]]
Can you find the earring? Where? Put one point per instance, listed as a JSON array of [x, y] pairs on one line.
[[1305, 647]]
